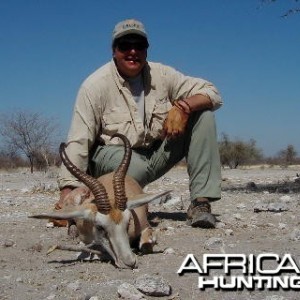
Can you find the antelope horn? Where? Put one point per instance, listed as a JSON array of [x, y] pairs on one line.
[[120, 173], [100, 194]]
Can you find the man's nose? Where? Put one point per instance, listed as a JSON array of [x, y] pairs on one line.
[[132, 50]]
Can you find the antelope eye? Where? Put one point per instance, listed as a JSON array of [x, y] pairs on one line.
[[99, 227]]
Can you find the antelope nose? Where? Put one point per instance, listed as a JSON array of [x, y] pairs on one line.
[[131, 261]]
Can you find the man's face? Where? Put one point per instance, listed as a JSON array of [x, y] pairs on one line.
[[130, 55]]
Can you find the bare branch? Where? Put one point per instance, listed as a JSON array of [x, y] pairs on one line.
[[293, 10]]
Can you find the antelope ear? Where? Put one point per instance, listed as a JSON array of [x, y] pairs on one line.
[[144, 199], [64, 215]]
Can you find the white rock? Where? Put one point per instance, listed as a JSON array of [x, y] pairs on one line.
[[241, 206], [153, 285], [220, 225], [127, 291], [74, 286], [286, 198], [213, 243], [282, 225], [238, 217], [275, 297], [169, 251], [174, 202], [50, 225], [228, 232], [295, 235], [277, 207]]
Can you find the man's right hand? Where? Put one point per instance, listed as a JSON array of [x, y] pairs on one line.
[[63, 194], [175, 123]]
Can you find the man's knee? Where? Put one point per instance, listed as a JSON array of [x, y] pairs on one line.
[[139, 170], [204, 122], [108, 158], [206, 116], [105, 160]]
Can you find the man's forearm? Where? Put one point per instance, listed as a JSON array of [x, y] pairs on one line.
[[196, 103]]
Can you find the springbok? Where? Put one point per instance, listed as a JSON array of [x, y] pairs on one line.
[[110, 213]]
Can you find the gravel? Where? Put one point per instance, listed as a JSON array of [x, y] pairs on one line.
[[258, 213]]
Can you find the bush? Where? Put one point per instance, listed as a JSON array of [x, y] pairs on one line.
[[236, 153]]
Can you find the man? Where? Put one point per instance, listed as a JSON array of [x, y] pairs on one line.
[[165, 115]]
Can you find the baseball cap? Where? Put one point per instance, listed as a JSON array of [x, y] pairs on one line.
[[129, 26]]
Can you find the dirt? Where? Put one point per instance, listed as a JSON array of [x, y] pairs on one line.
[[27, 272]]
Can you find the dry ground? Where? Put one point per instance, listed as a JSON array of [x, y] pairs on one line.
[[26, 272]]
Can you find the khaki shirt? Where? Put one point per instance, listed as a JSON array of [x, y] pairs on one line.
[[105, 106]]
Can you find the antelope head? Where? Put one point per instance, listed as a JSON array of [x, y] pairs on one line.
[[110, 219]]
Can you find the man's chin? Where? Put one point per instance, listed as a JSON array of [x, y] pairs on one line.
[[130, 68], [133, 71]]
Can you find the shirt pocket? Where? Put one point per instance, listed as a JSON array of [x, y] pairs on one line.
[[116, 122], [159, 115]]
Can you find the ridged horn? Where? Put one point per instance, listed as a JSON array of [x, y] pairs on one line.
[[97, 188], [120, 173]]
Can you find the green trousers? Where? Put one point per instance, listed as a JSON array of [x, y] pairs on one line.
[[198, 145]]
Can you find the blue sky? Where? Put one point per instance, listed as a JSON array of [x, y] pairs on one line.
[[48, 47]]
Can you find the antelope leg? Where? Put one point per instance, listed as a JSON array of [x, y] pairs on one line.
[[74, 248]]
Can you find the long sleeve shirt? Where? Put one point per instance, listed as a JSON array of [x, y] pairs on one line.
[[105, 106]]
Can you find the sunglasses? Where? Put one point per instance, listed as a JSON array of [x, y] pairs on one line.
[[125, 46]]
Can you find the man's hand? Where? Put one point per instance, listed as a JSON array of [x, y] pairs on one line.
[[175, 123], [63, 193], [59, 205]]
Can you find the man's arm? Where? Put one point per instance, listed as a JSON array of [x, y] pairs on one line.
[[190, 94], [201, 94], [178, 116], [84, 127], [195, 103]]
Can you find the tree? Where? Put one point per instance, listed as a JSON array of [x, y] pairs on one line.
[[9, 159], [226, 150], [236, 153], [29, 133], [288, 156], [290, 11]]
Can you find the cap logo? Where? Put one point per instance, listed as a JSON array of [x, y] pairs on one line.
[[134, 25]]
